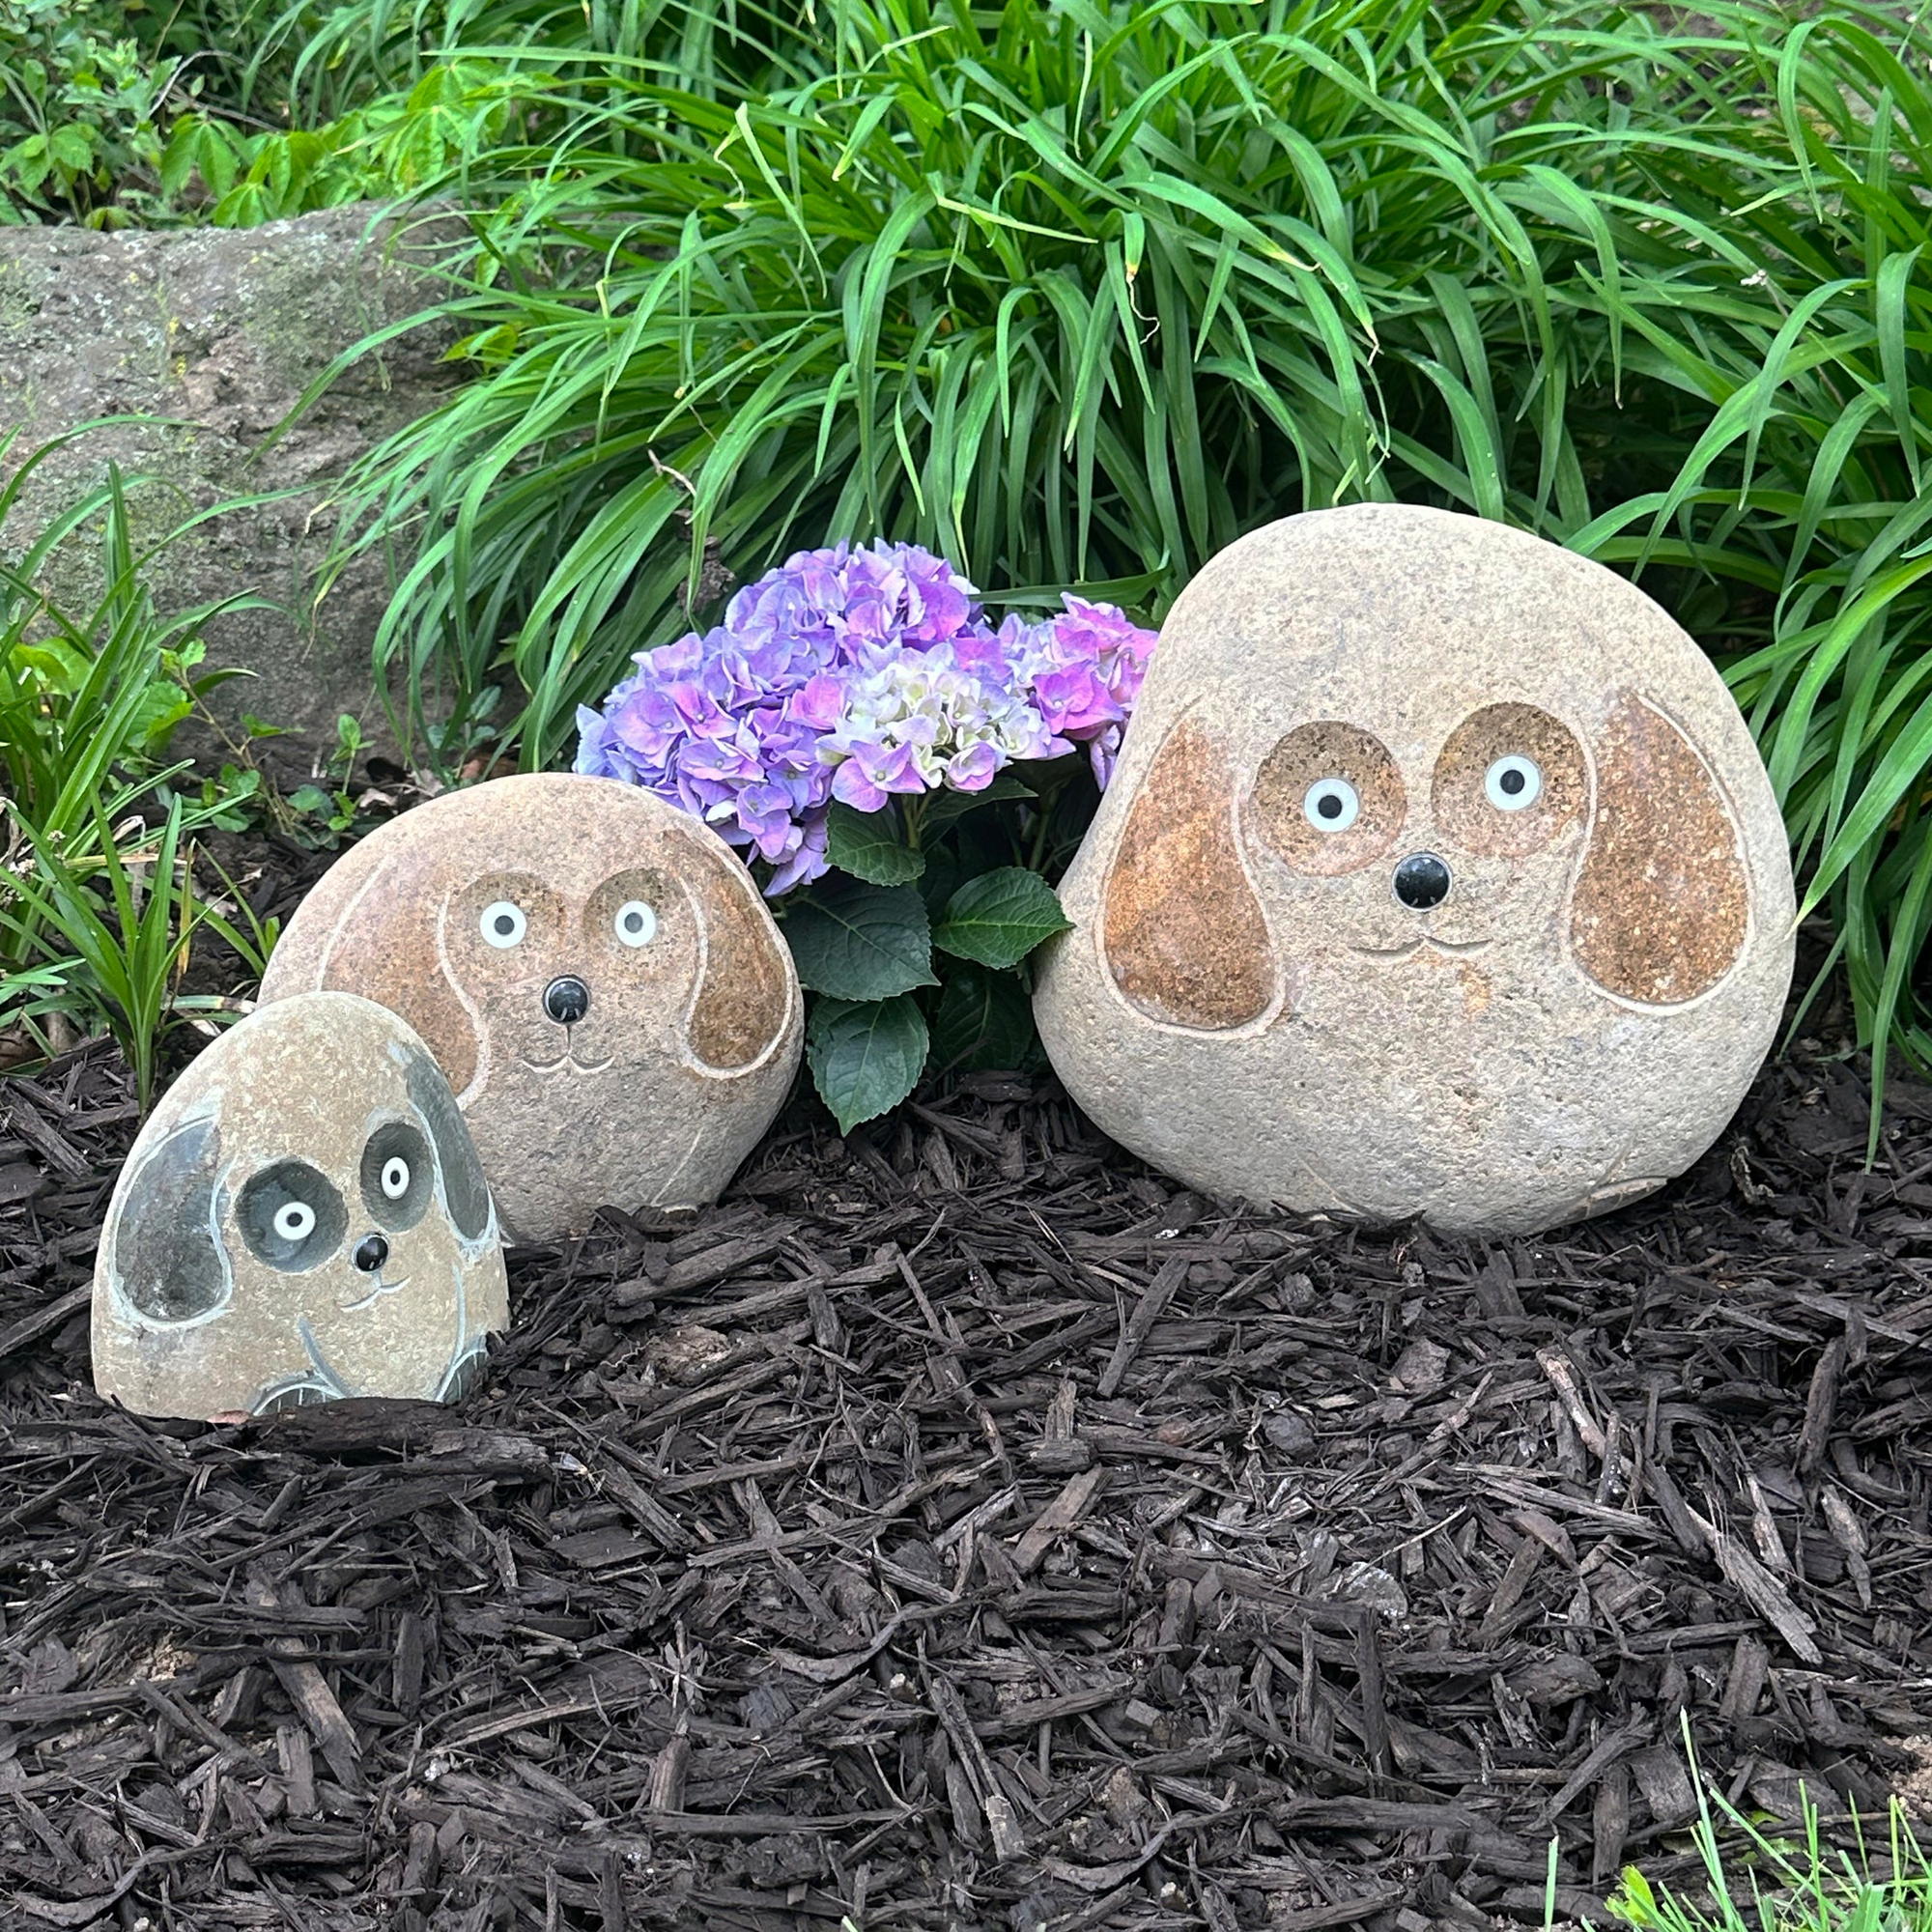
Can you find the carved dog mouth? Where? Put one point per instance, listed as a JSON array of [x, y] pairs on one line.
[[1452, 949], [567, 1058], [380, 1289]]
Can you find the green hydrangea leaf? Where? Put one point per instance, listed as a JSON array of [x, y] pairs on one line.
[[866, 845], [860, 942], [984, 1022], [865, 1055], [942, 808], [1000, 917]]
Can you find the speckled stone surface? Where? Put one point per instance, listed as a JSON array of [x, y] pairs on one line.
[[190, 348], [303, 1216], [487, 913], [1271, 993]]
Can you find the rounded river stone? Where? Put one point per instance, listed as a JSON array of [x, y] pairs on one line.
[[1439, 876], [596, 973], [302, 1217]]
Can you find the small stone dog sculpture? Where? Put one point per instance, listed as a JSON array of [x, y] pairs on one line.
[[302, 1217], [1439, 877], [594, 970]]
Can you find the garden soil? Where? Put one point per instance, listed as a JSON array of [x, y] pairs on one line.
[[957, 1526]]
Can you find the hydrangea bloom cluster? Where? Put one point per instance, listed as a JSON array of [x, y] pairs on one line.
[[858, 674]]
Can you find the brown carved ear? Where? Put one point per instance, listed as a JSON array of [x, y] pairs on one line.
[[1662, 904], [338, 942], [744, 999], [1181, 930]]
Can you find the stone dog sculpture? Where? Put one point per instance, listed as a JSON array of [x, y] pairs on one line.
[[1439, 877], [302, 1217], [596, 973]]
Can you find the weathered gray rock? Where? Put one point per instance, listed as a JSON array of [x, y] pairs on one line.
[[303, 1217], [220, 331], [1439, 877], [596, 973]]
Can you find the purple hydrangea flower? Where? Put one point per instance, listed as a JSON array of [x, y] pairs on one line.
[[859, 674]]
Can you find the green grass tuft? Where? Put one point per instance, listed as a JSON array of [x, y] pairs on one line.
[[1768, 1884]]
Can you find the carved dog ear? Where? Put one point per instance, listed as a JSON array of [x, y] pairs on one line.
[[743, 1000], [166, 1256], [465, 1191], [396, 960], [1181, 930], [1662, 904]]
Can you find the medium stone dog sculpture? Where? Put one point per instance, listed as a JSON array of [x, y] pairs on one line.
[[302, 1217], [1439, 877], [594, 970]]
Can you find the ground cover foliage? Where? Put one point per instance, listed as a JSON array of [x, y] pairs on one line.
[[959, 1527], [99, 903], [1076, 296]]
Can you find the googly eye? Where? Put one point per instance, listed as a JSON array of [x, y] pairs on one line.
[[505, 924], [1332, 805], [1513, 784], [395, 1177], [295, 1220], [636, 923]]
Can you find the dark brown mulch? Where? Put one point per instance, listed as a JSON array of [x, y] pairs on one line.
[[964, 1528]]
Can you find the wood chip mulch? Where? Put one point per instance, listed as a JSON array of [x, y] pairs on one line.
[[961, 1527]]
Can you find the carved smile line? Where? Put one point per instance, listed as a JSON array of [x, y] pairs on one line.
[[382, 1288], [570, 1059]]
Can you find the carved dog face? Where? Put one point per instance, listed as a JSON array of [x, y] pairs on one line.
[[1428, 838], [303, 1217], [595, 972]]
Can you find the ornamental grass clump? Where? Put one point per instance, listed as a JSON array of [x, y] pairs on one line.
[[852, 708]]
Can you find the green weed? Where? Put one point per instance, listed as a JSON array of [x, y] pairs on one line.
[[98, 906], [1755, 1881]]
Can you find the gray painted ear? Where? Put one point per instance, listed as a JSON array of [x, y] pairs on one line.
[[464, 1186], [464, 1374], [167, 1254]]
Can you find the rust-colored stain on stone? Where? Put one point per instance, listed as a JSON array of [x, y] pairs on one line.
[[396, 961], [1303, 757], [1183, 934], [744, 999], [1661, 909], [474, 915], [1463, 812]]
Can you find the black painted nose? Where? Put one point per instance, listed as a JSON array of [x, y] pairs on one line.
[[567, 1000], [371, 1252], [1421, 881]]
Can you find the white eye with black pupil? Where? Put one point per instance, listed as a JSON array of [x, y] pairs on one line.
[[503, 924], [1513, 784], [395, 1177], [295, 1220], [637, 923], [1332, 805]]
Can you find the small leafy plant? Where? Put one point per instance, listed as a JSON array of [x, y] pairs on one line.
[[903, 777], [97, 904], [82, 109]]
